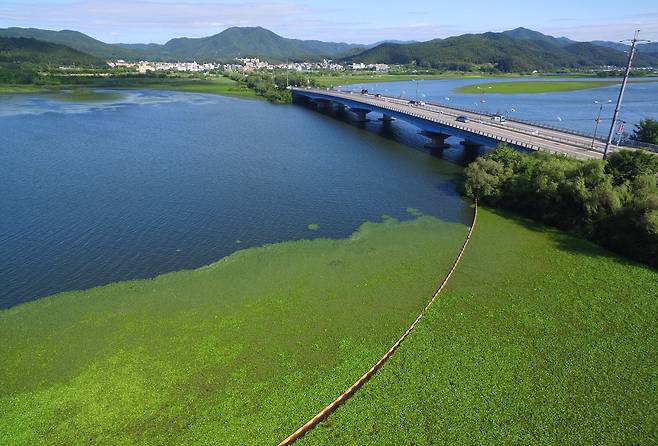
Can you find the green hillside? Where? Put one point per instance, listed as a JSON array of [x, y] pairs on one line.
[[518, 50], [251, 42], [230, 43], [20, 50], [75, 40]]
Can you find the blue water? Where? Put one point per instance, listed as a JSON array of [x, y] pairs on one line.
[[161, 181], [574, 110]]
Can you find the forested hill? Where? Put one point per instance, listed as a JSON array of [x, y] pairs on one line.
[[517, 50], [21, 50], [251, 42], [75, 40], [224, 46]]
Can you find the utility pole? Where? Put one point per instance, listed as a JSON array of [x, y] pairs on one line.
[[598, 118], [615, 116]]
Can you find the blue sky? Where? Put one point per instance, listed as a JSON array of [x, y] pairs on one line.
[[359, 21]]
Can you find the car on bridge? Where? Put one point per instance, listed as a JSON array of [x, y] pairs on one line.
[[462, 118]]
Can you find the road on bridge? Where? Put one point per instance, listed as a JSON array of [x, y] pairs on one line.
[[513, 132]]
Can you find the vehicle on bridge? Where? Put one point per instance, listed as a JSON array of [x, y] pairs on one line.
[[499, 119], [462, 119]]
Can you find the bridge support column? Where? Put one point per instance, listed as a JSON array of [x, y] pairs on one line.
[[387, 118], [361, 114], [438, 139]]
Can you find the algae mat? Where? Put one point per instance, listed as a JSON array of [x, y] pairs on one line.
[[540, 338], [239, 352]]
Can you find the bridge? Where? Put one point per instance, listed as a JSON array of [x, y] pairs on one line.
[[439, 122]]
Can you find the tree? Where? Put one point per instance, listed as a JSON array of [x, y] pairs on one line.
[[613, 202], [483, 178], [626, 165], [646, 131]]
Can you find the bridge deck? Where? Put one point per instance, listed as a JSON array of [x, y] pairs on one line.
[[479, 125]]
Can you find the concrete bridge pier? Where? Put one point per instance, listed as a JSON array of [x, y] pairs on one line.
[[387, 118], [438, 139], [360, 114]]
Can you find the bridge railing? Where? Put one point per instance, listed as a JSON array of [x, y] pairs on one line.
[[492, 136], [390, 102], [388, 99], [515, 119]]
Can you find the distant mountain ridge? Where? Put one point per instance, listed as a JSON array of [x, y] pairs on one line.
[[252, 42], [73, 39], [24, 50], [520, 49], [226, 45], [647, 48]]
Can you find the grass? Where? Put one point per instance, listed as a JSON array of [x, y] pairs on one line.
[[540, 338], [346, 79], [238, 352], [532, 86]]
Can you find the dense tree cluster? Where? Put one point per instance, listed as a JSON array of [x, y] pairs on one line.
[[273, 85], [646, 131], [613, 202]]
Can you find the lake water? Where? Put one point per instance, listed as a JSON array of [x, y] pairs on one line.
[[92, 193], [573, 110]]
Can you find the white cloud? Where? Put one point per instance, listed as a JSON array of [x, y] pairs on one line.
[[90, 14]]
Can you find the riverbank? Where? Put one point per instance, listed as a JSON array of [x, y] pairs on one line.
[[238, 352], [535, 330], [217, 85]]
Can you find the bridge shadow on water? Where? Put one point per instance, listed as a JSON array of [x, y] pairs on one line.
[[400, 132]]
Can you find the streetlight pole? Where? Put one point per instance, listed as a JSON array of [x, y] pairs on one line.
[[615, 116], [598, 118]]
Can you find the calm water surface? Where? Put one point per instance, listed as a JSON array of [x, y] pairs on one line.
[[160, 181]]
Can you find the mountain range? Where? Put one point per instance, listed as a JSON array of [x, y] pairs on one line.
[[515, 50], [520, 49], [23, 50], [227, 45]]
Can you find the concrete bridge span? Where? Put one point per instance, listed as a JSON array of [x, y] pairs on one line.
[[438, 122]]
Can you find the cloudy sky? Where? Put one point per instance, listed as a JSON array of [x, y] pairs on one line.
[[359, 21]]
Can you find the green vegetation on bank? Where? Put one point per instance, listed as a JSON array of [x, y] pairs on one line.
[[216, 84], [540, 338], [273, 85], [335, 79], [239, 352], [613, 202], [532, 86]]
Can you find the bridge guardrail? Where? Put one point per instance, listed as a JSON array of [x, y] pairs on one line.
[[519, 120], [388, 103], [582, 144]]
